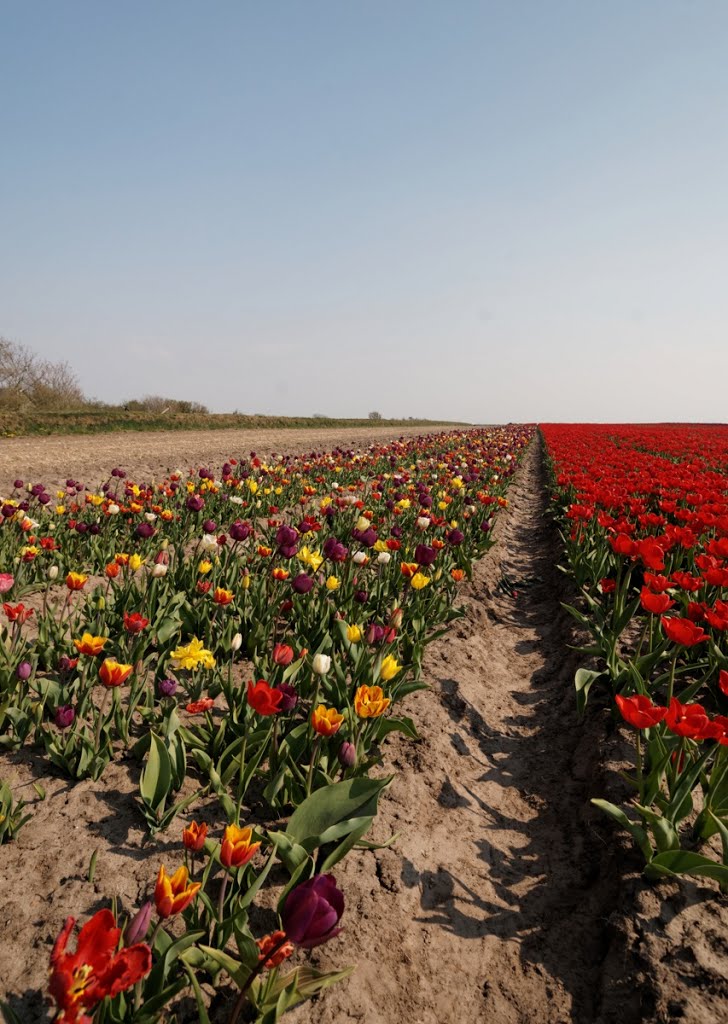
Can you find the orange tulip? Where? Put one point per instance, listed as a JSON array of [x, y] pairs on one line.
[[194, 836], [222, 597], [112, 673], [370, 702], [326, 721], [237, 848], [172, 894]]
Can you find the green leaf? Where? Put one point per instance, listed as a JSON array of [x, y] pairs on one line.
[[583, 681], [636, 831], [351, 798], [685, 862], [156, 778]]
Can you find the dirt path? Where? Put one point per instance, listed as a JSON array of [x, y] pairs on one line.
[[90, 458]]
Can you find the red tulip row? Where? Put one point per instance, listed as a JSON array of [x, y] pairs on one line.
[[644, 517]]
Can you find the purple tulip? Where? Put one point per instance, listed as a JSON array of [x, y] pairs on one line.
[[138, 926], [302, 584], [374, 634], [361, 596], [485, 525], [347, 754], [290, 697], [166, 687], [425, 555], [335, 550], [144, 530], [24, 670], [64, 716], [18, 484], [195, 503], [239, 531], [209, 526], [455, 537], [44, 498], [312, 912]]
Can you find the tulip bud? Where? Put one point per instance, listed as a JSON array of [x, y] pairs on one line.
[[53, 572], [24, 670], [347, 755], [158, 571], [138, 926], [237, 642], [321, 664]]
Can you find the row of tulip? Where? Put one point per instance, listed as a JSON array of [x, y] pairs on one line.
[[249, 636], [644, 518]]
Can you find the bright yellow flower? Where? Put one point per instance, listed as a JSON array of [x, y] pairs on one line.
[[419, 581], [89, 644], [370, 702], [252, 486], [204, 567], [389, 668], [312, 558], [192, 656], [333, 583], [353, 634], [60, 509], [135, 562]]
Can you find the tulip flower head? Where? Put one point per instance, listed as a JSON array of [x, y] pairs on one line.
[[237, 847], [370, 702], [80, 980], [326, 721], [172, 893], [312, 912]]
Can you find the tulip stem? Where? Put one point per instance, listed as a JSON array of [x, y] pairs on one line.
[[311, 767], [100, 720], [240, 1001]]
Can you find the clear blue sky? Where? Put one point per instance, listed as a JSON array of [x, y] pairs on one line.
[[488, 211]]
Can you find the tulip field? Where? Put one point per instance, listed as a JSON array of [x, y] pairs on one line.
[[247, 633], [234, 651]]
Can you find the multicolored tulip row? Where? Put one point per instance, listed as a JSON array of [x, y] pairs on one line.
[[644, 517], [252, 631]]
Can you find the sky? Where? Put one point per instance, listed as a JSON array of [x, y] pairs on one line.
[[490, 212]]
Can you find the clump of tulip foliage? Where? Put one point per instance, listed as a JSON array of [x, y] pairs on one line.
[[249, 635], [644, 514]]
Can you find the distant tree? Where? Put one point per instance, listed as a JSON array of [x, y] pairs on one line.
[[26, 379], [160, 405], [375, 415]]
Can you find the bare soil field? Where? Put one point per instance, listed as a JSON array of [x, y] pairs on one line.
[[505, 897], [50, 460]]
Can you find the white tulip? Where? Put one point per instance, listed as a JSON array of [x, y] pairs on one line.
[[321, 664]]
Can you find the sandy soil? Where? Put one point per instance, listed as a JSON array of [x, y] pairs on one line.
[[507, 897], [50, 460]]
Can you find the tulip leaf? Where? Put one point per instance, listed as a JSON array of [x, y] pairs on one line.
[[685, 862], [583, 681], [156, 777], [637, 831], [351, 798]]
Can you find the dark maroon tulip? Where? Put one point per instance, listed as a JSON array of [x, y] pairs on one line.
[[37, 489], [366, 537], [64, 716], [9, 511], [361, 596], [209, 526], [44, 498], [94, 529], [425, 555], [302, 584], [18, 484], [144, 530], [455, 537], [290, 697], [286, 536], [335, 550], [312, 912], [81, 527], [485, 525], [239, 531], [195, 503]]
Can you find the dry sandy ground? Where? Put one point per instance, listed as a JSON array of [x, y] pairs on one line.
[[507, 898], [50, 460]]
